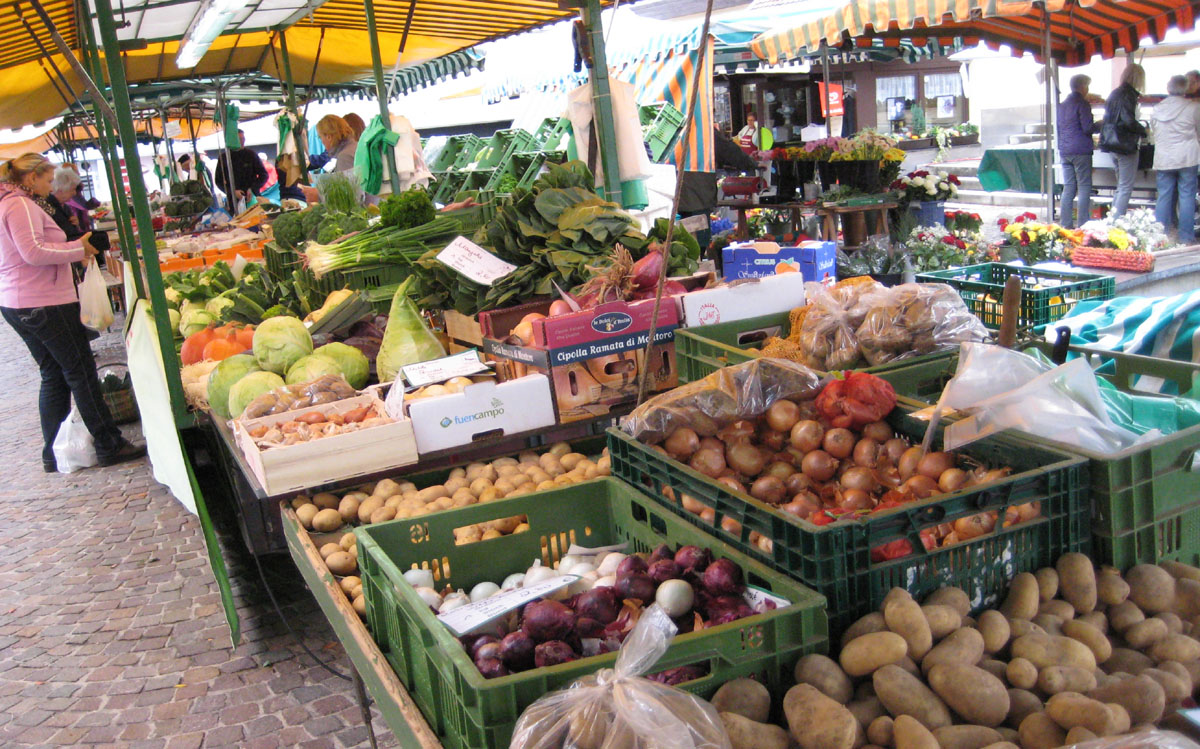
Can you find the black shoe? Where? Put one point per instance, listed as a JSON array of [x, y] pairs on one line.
[[50, 466], [91, 334], [127, 452]]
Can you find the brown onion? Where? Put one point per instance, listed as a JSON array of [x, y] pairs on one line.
[[729, 525], [769, 489], [1029, 510], [708, 515], [738, 431], [772, 440], [952, 480], [880, 431], [801, 507], [783, 415], [709, 462], [934, 465], [806, 436], [780, 470], [712, 443], [908, 462], [856, 499], [975, 525], [839, 443], [859, 478], [921, 487], [866, 453], [682, 443], [819, 465], [797, 483], [702, 424], [732, 483], [660, 449], [745, 458], [893, 448]]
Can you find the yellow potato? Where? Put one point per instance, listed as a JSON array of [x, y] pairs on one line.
[[326, 501], [306, 513]]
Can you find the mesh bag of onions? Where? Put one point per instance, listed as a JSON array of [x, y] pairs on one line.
[[617, 707]]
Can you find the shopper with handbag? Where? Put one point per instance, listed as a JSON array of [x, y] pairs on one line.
[[38, 299], [1121, 133], [1176, 156]]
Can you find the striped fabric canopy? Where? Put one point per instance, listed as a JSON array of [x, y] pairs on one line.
[[1079, 29]]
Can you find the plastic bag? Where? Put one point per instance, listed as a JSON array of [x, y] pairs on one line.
[[95, 310], [826, 331], [73, 447], [617, 708], [1141, 740], [744, 391], [914, 319]]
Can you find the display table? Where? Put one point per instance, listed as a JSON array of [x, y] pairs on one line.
[[853, 219], [741, 206]]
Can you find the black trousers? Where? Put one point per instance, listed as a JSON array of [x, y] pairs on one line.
[[58, 342]]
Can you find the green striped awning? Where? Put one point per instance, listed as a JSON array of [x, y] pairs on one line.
[[433, 71]]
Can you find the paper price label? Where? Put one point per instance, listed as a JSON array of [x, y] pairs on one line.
[[394, 402], [471, 617], [474, 262], [439, 370]]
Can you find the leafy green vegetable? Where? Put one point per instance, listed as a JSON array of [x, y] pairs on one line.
[[289, 230], [330, 229], [339, 191], [311, 219], [353, 363], [280, 342], [309, 368], [224, 377], [250, 387], [407, 339], [407, 210]]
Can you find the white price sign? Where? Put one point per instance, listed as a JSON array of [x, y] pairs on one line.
[[474, 262], [439, 370], [471, 617]]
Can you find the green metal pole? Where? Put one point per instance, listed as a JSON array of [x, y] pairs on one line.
[[141, 209], [381, 88], [602, 108], [301, 126]]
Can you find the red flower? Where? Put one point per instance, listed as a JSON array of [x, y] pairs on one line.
[[1024, 237], [975, 217], [1002, 223], [960, 244], [952, 179], [948, 239]]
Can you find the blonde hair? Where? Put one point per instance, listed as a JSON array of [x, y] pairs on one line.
[[334, 127], [14, 171], [1134, 75]]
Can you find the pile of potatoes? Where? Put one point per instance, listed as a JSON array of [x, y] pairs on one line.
[[1072, 655]]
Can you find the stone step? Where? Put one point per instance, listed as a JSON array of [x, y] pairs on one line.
[[1022, 138], [1036, 127], [1005, 198], [964, 168]]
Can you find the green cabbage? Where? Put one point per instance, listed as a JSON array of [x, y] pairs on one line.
[[354, 364], [310, 368], [407, 339], [195, 320], [222, 379], [173, 319], [218, 304], [280, 342], [250, 387]]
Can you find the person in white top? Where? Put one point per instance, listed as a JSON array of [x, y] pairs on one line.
[[748, 137], [1176, 156]]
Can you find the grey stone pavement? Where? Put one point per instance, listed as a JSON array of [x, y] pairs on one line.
[[111, 628]]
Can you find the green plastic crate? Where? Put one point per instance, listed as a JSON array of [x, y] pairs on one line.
[[549, 134], [502, 146], [1143, 497], [467, 710], [458, 152], [363, 277], [702, 350], [836, 559], [661, 125], [279, 263], [380, 298], [447, 185], [982, 289]]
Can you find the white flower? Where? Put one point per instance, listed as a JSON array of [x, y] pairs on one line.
[[943, 185], [931, 190]]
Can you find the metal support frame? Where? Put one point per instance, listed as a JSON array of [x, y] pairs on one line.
[[1048, 151], [828, 92], [602, 108], [141, 210], [66, 52], [300, 132], [381, 92]]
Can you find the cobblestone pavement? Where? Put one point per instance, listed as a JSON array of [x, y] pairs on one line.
[[111, 628]]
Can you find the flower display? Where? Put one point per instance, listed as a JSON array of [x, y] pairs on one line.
[[1137, 230], [922, 186], [937, 248], [1034, 242], [963, 221]]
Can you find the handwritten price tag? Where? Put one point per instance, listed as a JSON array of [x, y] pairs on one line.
[[474, 262]]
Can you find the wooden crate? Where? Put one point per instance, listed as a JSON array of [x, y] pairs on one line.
[[463, 330]]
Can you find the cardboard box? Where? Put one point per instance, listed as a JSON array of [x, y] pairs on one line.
[[751, 297], [330, 459], [482, 411], [595, 357], [814, 260]]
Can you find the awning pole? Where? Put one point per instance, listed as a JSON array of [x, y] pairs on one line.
[[300, 132], [381, 91], [1048, 151], [828, 98], [66, 52], [602, 108], [141, 209]]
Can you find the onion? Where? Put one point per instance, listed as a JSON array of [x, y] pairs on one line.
[[769, 489], [866, 452], [807, 435], [490, 641], [709, 461], [567, 562], [600, 604], [419, 578], [631, 565], [894, 448], [638, 586], [491, 668], [647, 269], [952, 480], [547, 620], [797, 483], [780, 470], [880, 431], [802, 505], [975, 525], [908, 462], [921, 487], [693, 558], [537, 573], [513, 581], [553, 653], [586, 627], [772, 440], [856, 499], [682, 443], [662, 551], [719, 606], [732, 483], [675, 597], [712, 443], [671, 287], [484, 591], [430, 597], [608, 565], [581, 569], [560, 307], [605, 582], [745, 458], [934, 465], [859, 478], [516, 650], [738, 431], [453, 601], [664, 570], [1029, 510], [839, 443], [819, 465], [723, 577], [783, 415]]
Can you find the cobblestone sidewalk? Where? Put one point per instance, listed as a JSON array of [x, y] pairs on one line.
[[111, 628]]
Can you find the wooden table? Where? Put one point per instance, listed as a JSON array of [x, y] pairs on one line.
[[853, 217], [741, 206]]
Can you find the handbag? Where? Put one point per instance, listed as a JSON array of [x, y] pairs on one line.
[[1145, 156]]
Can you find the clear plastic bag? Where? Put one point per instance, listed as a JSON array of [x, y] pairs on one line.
[[740, 392], [914, 319], [95, 309], [1142, 740], [73, 446], [618, 709], [826, 334]]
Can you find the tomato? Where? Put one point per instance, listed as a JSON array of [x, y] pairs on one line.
[[856, 401]]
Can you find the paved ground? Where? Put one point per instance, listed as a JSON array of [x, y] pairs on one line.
[[111, 629]]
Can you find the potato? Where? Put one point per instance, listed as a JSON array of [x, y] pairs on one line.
[[904, 694], [1173, 687], [963, 646], [387, 488], [1049, 650], [1097, 619], [995, 668], [1056, 608], [1055, 679], [955, 598], [863, 655], [306, 513], [1179, 671], [942, 620], [1142, 697], [1023, 597], [1179, 648], [865, 690], [1078, 735], [1003, 745], [300, 501], [1151, 587], [382, 515], [348, 508], [995, 630], [745, 697], [328, 549], [325, 501], [872, 622], [908, 733], [823, 673], [880, 731], [1111, 589], [349, 583], [1021, 704], [1038, 731], [1145, 633], [817, 722], [327, 521], [1077, 581], [1021, 673], [367, 506], [973, 693], [341, 563], [1022, 627], [748, 734], [360, 606], [453, 484], [904, 617], [1172, 620], [1069, 710], [431, 493], [866, 711], [909, 665], [347, 541], [1093, 638], [1047, 580], [1124, 660], [1051, 625], [966, 737], [1181, 571]]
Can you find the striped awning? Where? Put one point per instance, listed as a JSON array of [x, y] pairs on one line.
[[436, 70], [1079, 29], [736, 59]]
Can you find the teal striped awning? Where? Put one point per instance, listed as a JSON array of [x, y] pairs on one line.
[[426, 74]]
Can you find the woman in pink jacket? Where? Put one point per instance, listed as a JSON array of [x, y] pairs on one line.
[[38, 299]]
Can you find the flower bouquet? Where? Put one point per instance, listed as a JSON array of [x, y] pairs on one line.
[[963, 221], [1126, 243], [936, 248], [1032, 242], [926, 187]]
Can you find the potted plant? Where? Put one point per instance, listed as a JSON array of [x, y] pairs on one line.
[[1031, 241], [934, 248], [964, 135], [925, 194]]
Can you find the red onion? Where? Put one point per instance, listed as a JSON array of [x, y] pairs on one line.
[[693, 557], [639, 586], [600, 604], [715, 606], [646, 271], [662, 551], [723, 577], [631, 565], [479, 642], [516, 650], [675, 676], [664, 569], [547, 620], [491, 668], [553, 653], [587, 627]]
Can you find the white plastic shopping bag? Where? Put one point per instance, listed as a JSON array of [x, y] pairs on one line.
[[95, 309], [73, 447]]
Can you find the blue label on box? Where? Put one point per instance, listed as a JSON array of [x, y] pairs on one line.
[[815, 261]]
